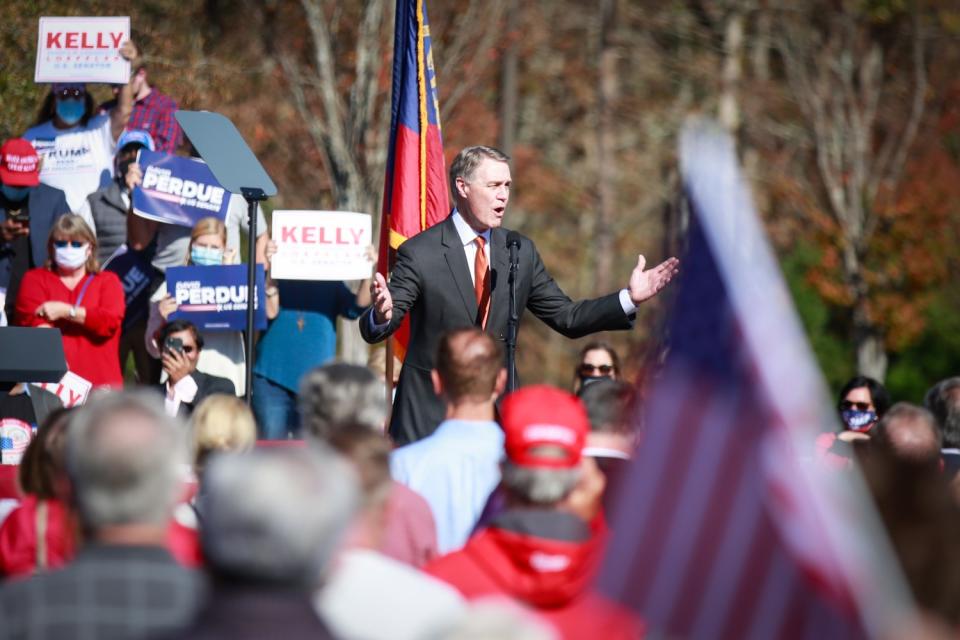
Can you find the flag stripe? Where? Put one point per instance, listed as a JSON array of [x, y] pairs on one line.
[[719, 521], [687, 523]]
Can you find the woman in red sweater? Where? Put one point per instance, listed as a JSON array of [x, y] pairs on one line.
[[72, 294]]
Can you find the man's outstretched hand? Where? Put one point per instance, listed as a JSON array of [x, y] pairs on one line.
[[382, 300], [646, 284]]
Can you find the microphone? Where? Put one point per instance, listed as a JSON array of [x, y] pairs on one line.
[[513, 244]]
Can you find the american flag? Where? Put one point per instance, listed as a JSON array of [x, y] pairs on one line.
[[725, 528]]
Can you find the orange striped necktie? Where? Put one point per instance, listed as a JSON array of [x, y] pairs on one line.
[[481, 282]]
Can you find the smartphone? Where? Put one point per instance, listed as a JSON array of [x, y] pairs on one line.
[[20, 216], [174, 344]]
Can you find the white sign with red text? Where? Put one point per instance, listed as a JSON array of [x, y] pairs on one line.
[[321, 245], [72, 389], [82, 50]]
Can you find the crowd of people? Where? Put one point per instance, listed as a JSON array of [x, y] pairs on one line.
[[165, 507]]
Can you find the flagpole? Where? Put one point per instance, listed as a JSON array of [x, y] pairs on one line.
[[389, 350]]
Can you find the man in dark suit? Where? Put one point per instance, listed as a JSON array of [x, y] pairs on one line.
[[28, 210], [186, 387], [455, 275]]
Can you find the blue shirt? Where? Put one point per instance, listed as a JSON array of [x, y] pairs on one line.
[[455, 470], [304, 333]]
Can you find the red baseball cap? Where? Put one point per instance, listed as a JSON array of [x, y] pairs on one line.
[[541, 416], [19, 164]]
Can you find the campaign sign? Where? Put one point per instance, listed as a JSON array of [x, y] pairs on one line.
[[72, 389], [215, 298], [135, 273], [321, 245], [82, 50], [178, 190]]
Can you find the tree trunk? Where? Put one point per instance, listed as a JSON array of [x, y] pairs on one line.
[[508, 85], [606, 161], [729, 108]]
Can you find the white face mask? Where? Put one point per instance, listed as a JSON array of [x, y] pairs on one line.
[[70, 257]]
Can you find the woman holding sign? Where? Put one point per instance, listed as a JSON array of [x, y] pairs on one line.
[[301, 336], [223, 351], [76, 145], [72, 294]]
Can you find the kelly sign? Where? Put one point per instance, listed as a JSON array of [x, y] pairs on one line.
[[215, 298], [72, 389], [82, 50], [321, 245], [178, 190]]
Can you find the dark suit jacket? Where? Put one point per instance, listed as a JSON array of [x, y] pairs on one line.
[[431, 281], [251, 612], [108, 591], [207, 385], [45, 204]]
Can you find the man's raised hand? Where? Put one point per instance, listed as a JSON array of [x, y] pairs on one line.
[[382, 300], [646, 284]]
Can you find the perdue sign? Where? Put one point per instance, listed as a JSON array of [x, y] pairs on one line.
[[82, 50]]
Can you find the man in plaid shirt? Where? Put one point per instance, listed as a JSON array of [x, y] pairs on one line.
[[124, 459], [152, 112]]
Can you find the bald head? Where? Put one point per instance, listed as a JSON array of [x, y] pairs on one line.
[[468, 365], [908, 433]]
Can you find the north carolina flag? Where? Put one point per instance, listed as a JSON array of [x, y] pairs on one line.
[[415, 192]]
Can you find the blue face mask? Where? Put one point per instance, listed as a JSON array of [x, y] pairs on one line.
[[15, 194], [206, 256], [71, 111], [858, 420]]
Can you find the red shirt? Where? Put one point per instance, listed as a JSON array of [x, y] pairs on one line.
[[93, 348], [18, 538]]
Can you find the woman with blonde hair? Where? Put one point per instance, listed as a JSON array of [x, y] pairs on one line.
[[221, 424], [72, 294], [223, 352]]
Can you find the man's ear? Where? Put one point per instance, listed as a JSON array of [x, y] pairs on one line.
[[437, 383], [501, 383], [461, 186]]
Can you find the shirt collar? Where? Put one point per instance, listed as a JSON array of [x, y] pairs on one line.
[[466, 233]]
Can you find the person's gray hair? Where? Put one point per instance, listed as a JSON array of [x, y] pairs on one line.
[[467, 161], [908, 433], [276, 515], [943, 400], [125, 457], [341, 395], [537, 485]]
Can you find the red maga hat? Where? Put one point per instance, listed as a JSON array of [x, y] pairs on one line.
[[539, 421], [19, 164]]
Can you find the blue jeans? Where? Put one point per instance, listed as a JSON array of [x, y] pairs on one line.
[[275, 409]]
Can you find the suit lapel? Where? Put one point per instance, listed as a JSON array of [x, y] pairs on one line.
[[459, 270]]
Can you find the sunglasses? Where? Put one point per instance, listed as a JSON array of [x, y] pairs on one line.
[[846, 405], [67, 94], [602, 369], [62, 244]]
